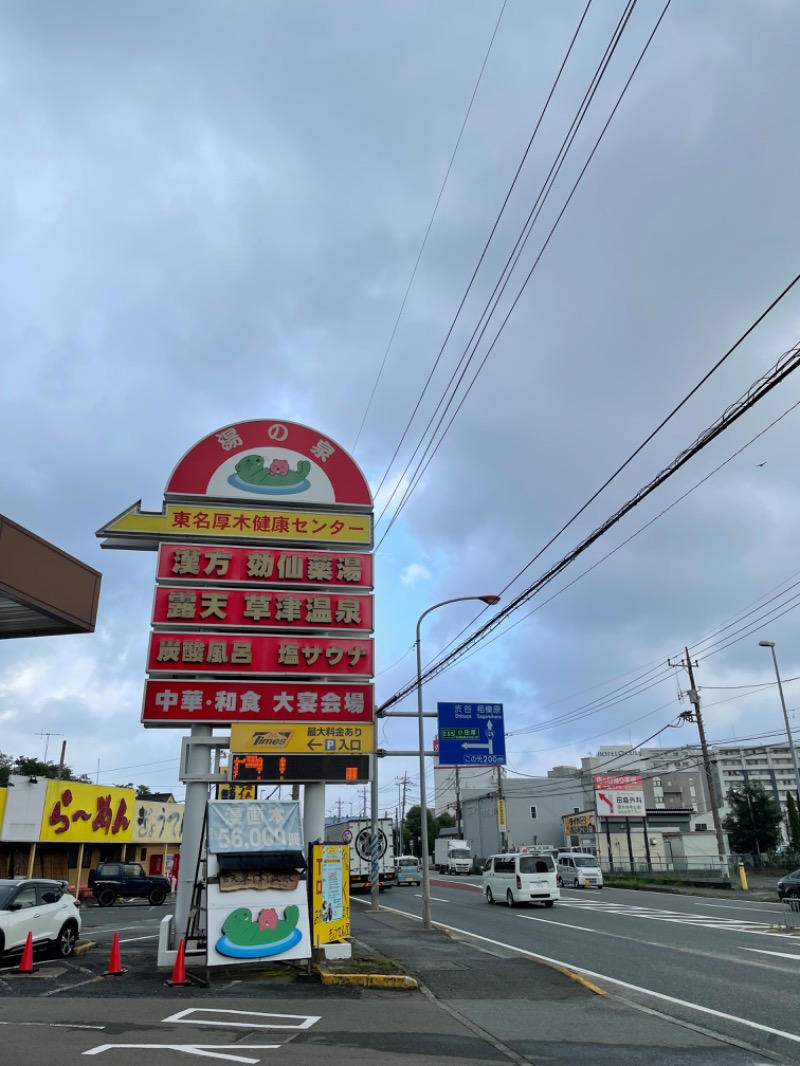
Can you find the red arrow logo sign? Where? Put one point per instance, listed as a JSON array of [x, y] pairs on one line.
[[605, 799]]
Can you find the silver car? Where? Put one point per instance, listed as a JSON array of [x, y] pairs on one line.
[[43, 907]]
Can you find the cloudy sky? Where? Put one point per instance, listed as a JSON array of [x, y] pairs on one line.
[[212, 212]]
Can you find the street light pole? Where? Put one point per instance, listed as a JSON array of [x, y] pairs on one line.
[[771, 645], [423, 799]]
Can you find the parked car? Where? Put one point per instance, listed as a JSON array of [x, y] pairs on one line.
[[408, 870], [127, 880], [789, 886], [579, 870], [42, 907]]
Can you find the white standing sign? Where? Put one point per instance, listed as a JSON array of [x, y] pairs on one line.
[[619, 796]]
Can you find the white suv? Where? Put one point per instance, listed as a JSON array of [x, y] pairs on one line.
[[44, 908]]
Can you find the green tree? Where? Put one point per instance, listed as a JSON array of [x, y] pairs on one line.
[[444, 821], [793, 819], [6, 765], [412, 829], [28, 766], [754, 821]]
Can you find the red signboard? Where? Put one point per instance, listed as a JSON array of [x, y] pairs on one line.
[[226, 653], [267, 461], [223, 702], [262, 566], [245, 608]]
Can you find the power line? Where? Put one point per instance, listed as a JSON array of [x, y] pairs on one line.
[[430, 225], [485, 249], [785, 366], [422, 468]]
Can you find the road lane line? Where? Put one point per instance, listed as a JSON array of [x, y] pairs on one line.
[[131, 939], [779, 954], [605, 977], [437, 898]]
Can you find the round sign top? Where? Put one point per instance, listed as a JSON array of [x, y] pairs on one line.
[[347, 835], [270, 461]]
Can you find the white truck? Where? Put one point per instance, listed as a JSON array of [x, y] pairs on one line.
[[452, 856], [357, 832]]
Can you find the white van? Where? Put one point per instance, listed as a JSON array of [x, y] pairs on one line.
[[579, 870], [517, 877]]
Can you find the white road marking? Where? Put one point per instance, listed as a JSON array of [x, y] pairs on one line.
[[205, 1051], [183, 1017], [706, 921], [131, 939], [57, 1025], [778, 954], [612, 980], [437, 898]]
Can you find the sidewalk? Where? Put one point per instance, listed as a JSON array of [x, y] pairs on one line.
[[531, 1012]]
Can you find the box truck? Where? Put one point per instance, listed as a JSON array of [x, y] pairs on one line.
[[452, 856], [357, 833]]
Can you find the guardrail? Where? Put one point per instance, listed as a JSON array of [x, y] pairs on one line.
[[790, 913]]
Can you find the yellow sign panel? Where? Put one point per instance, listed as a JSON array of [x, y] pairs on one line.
[[156, 823], [330, 893], [3, 797], [227, 791], [502, 823], [240, 523], [87, 813], [322, 739]]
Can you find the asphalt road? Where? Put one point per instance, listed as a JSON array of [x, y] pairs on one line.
[[712, 962]]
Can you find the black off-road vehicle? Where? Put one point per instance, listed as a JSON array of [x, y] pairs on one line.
[[127, 880]]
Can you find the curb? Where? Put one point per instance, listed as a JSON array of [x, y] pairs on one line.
[[81, 949], [366, 980]]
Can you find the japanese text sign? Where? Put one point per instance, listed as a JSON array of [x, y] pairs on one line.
[[223, 653], [334, 739], [229, 564], [220, 702], [619, 796], [471, 734], [242, 523], [263, 826], [156, 823], [79, 812], [330, 893], [243, 609]]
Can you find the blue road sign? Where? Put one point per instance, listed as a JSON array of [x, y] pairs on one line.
[[471, 734]]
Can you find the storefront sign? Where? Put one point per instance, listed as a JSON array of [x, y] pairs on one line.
[[575, 824], [263, 460], [244, 609], [156, 823], [334, 739], [220, 702], [77, 812], [239, 523], [223, 653], [225, 564], [253, 924]]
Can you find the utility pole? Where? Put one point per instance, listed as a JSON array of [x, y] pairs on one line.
[[458, 808], [501, 808], [364, 802], [339, 809], [695, 715]]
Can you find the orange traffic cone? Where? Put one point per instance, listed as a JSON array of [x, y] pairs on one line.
[[115, 967], [179, 969], [26, 965]]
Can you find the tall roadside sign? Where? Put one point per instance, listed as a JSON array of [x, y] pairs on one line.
[[471, 734], [262, 614], [619, 800]]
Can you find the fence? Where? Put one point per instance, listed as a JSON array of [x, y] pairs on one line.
[[693, 870]]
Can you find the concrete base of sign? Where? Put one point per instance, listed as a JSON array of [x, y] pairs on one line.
[[167, 954], [342, 949]]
